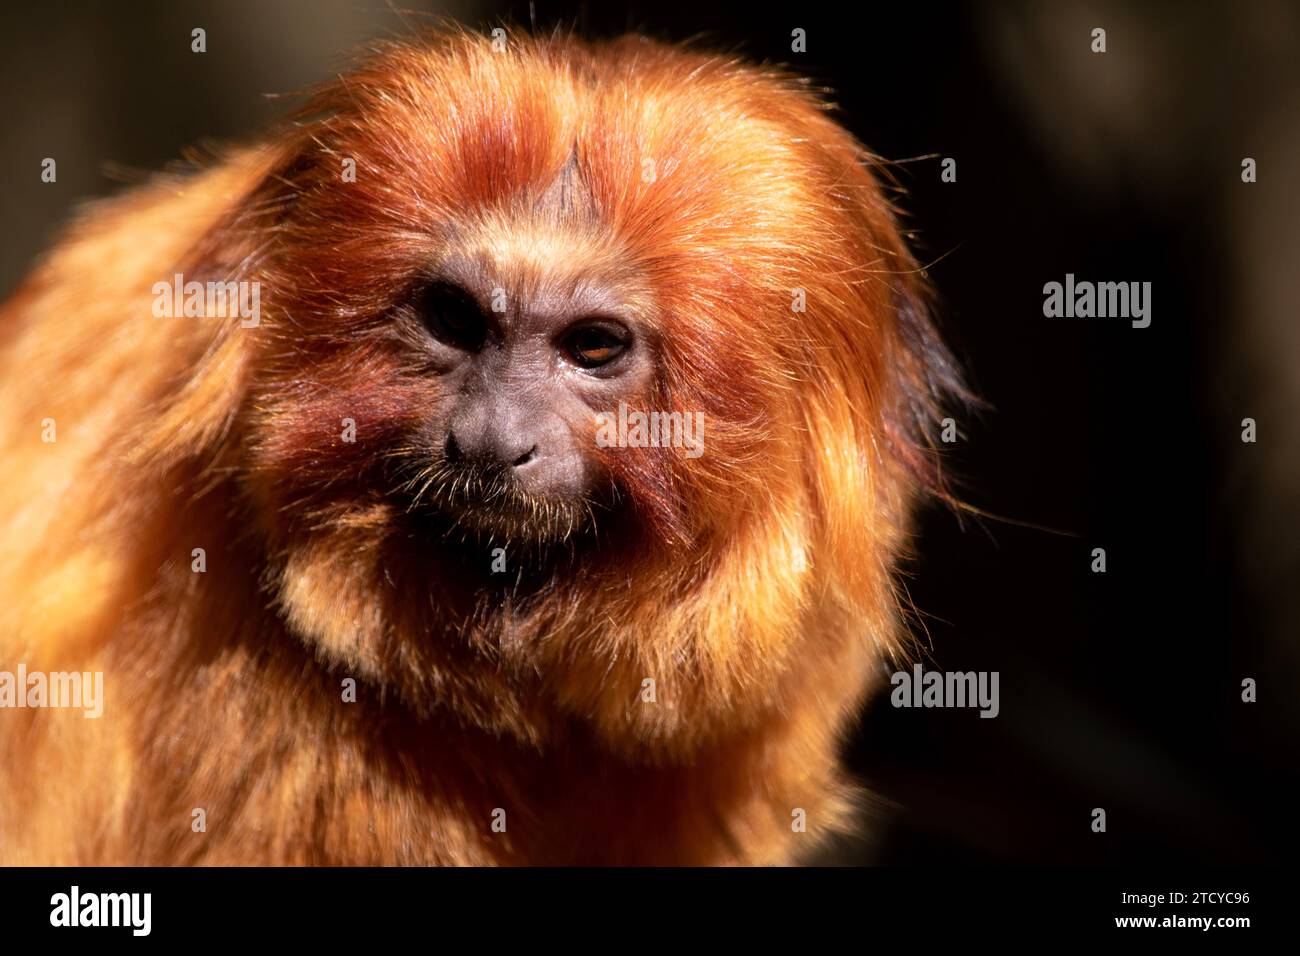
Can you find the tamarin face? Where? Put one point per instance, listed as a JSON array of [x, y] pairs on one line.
[[525, 339], [509, 432], [466, 257]]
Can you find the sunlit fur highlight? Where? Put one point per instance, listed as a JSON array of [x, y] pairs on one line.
[[755, 584]]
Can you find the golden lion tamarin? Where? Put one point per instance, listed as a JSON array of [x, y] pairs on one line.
[[301, 452]]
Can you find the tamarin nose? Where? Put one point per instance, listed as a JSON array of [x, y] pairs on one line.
[[490, 448]]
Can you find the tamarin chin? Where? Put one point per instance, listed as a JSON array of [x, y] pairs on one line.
[[300, 453]]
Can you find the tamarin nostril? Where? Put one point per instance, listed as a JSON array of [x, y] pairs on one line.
[[526, 457], [451, 450]]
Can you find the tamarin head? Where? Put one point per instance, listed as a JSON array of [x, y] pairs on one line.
[[471, 261]]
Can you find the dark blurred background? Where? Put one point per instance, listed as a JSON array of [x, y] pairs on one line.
[[1119, 690]]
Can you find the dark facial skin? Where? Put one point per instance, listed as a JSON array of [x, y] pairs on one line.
[[520, 385]]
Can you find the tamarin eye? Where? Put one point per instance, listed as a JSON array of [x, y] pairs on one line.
[[453, 316], [592, 346]]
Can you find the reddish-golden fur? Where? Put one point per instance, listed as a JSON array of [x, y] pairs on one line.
[[754, 584]]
